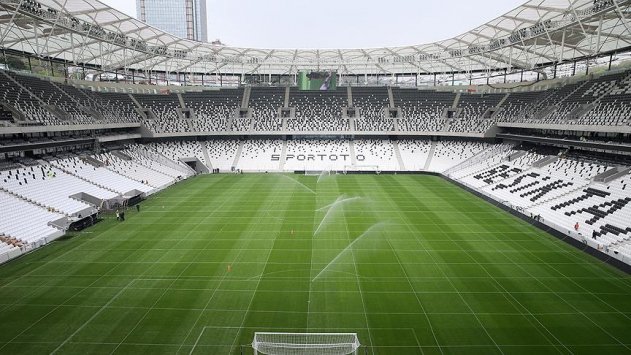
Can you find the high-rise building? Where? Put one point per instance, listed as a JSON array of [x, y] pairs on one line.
[[183, 18]]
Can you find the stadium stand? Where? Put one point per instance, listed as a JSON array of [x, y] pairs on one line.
[[135, 170], [158, 163], [213, 109], [57, 100], [222, 153], [559, 189], [328, 154], [24, 223], [318, 111], [377, 153], [474, 112], [517, 104], [555, 184], [450, 153], [162, 107], [422, 110], [51, 187], [572, 105], [612, 108], [372, 104], [97, 174], [178, 150], [414, 153], [22, 100], [256, 155], [114, 107], [265, 104]]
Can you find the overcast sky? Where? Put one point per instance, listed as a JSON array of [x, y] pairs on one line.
[[340, 23]]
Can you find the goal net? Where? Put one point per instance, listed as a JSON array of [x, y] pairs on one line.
[[318, 172], [305, 343]]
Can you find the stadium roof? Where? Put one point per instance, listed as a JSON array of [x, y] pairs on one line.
[[536, 33]]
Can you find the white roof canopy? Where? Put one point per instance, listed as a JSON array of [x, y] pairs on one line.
[[535, 33]]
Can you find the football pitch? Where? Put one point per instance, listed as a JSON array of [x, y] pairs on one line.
[[411, 263]]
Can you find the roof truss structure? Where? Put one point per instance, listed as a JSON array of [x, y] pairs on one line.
[[536, 33]]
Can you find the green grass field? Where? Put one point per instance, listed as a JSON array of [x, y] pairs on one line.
[[413, 264]]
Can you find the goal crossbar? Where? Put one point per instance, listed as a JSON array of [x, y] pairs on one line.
[[274, 343]]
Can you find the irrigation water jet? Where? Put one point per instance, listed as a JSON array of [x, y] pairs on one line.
[[366, 233], [323, 174], [331, 208], [299, 183]]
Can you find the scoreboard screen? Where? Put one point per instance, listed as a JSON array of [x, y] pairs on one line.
[[317, 80]]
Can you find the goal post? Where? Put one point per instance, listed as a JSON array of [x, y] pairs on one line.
[[305, 343]]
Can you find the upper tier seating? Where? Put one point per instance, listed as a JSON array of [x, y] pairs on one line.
[[474, 114], [518, 103], [265, 104], [318, 110], [601, 100], [115, 107], [613, 108], [584, 94], [164, 107], [23, 101], [169, 126], [51, 95], [166, 113], [422, 110], [372, 104], [212, 109]]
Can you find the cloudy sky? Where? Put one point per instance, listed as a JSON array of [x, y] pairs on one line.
[[340, 23]]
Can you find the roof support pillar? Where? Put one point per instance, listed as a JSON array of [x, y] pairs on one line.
[[610, 60], [600, 26], [562, 47], [587, 66]]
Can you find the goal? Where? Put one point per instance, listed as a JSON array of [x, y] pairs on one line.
[[305, 343], [318, 172]]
